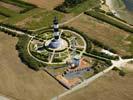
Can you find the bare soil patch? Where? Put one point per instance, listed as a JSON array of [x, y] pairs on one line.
[[10, 6], [109, 87], [47, 4], [20, 82]]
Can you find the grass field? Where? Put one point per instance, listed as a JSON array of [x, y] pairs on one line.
[[20, 82], [17, 18], [41, 19], [103, 32], [109, 87], [35, 18]]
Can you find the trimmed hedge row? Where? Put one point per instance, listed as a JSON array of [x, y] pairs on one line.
[[109, 20], [23, 53], [25, 5]]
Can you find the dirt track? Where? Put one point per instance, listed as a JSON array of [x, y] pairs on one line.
[[20, 82]]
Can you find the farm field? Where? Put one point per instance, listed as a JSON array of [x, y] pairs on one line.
[[18, 81], [10, 6], [103, 32], [47, 4], [109, 87]]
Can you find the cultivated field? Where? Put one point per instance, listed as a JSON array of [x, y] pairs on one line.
[[103, 32], [20, 82], [10, 6], [47, 4], [109, 87]]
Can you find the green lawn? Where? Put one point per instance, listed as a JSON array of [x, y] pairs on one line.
[[35, 18]]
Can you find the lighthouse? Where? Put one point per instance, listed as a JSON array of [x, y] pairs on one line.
[[56, 41], [56, 28]]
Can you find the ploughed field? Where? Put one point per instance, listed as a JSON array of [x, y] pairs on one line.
[[20, 82]]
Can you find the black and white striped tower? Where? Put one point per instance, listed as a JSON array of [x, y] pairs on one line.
[[56, 41], [56, 29]]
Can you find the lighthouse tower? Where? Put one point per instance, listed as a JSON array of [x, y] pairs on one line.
[[56, 28], [55, 42]]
